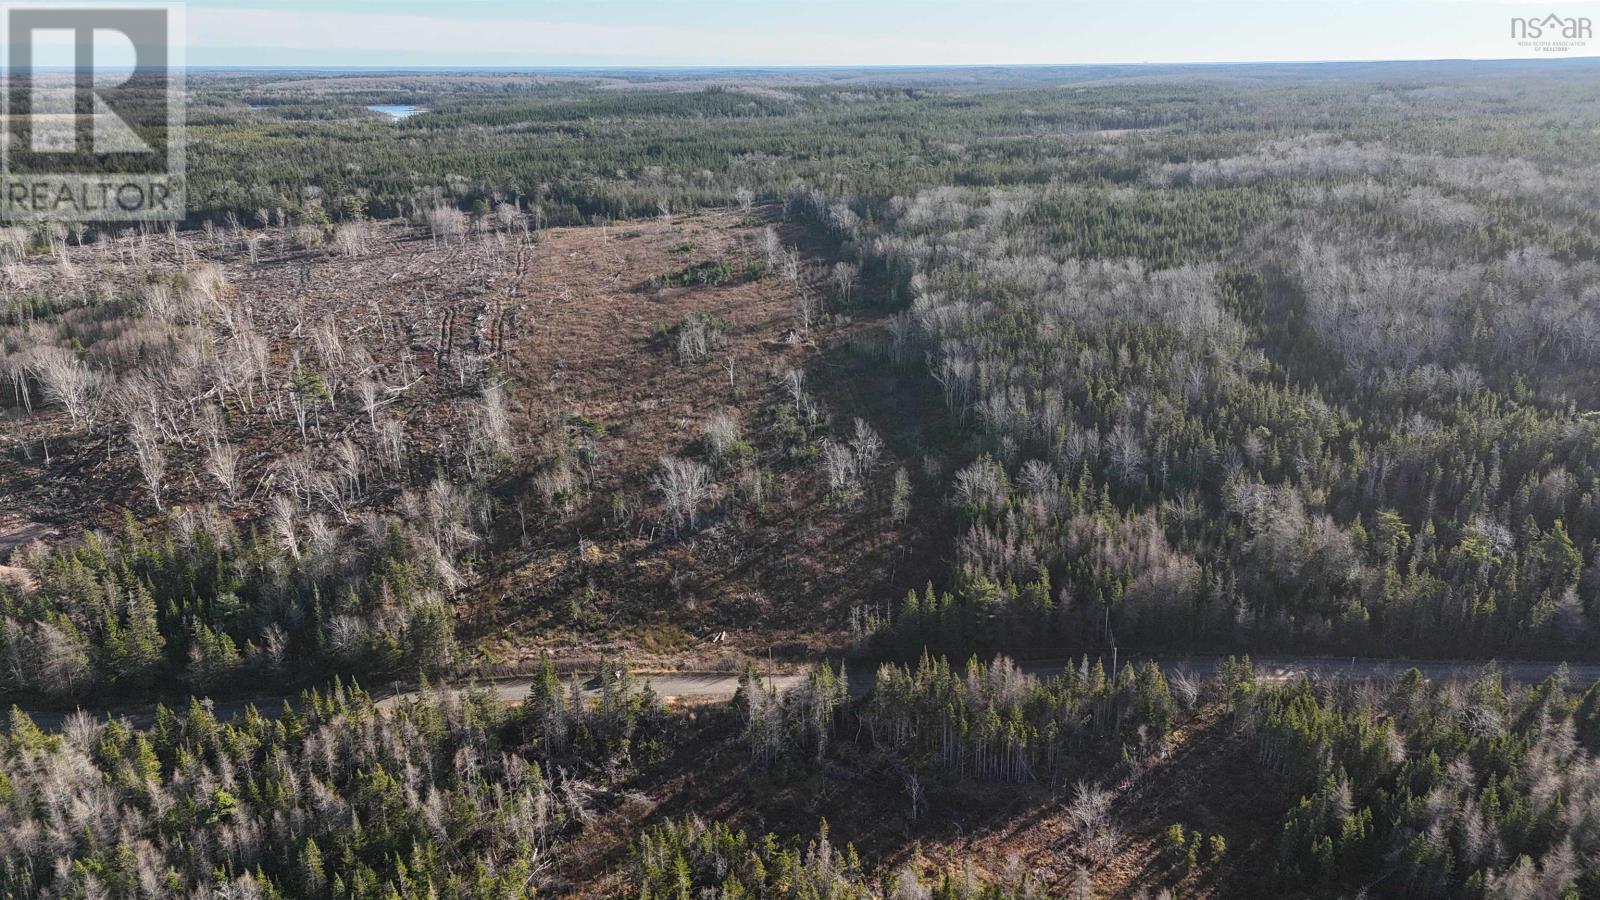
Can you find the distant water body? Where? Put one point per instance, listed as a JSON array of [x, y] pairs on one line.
[[396, 112]]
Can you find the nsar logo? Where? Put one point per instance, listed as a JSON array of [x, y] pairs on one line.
[[1552, 33]]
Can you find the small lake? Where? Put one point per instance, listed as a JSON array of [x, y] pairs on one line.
[[397, 112]]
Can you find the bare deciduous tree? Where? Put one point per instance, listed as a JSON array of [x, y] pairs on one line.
[[805, 306], [506, 215], [392, 442], [845, 277], [790, 267], [795, 381], [65, 380], [1090, 811], [368, 390], [902, 332], [868, 448], [495, 420], [62, 659], [683, 483], [351, 464], [900, 496], [274, 647], [722, 435], [145, 436], [1126, 456], [839, 464], [353, 238], [1184, 688], [771, 248], [694, 340], [222, 464], [282, 522], [446, 223]]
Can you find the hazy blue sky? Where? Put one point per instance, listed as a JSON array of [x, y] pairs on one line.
[[846, 32]]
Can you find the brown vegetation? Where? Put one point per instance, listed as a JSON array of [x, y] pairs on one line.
[[298, 378]]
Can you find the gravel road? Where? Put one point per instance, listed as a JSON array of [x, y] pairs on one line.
[[703, 687]]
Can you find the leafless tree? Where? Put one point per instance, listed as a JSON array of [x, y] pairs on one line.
[[845, 277], [392, 441], [447, 515], [557, 487], [145, 435], [330, 346], [753, 486], [1126, 456], [805, 307], [694, 340], [839, 464], [790, 267], [321, 536], [274, 646], [282, 522], [683, 483], [63, 662], [353, 238], [65, 380], [722, 434], [446, 223], [914, 791], [506, 215], [867, 447], [771, 248], [248, 364], [902, 334], [368, 390], [1184, 688], [495, 420], [222, 464], [1090, 809], [982, 486], [302, 413], [326, 485], [351, 463], [795, 380], [900, 496], [347, 636]]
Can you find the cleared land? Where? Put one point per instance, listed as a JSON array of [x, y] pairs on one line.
[[578, 328]]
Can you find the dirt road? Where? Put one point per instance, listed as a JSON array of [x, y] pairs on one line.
[[707, 687]]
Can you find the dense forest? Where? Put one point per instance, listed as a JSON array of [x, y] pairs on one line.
[[1464, 790], [902, 374]]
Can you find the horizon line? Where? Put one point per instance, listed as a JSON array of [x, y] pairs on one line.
[[808, 67]]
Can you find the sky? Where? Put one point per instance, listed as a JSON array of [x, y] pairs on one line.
[[613, 33]]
